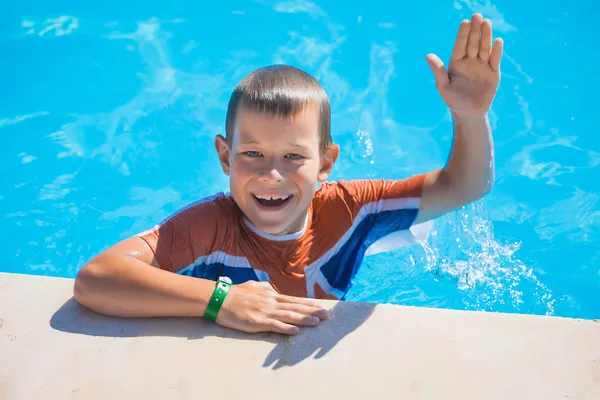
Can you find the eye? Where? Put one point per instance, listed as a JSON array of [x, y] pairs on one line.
[[294, 156], [252, 154]]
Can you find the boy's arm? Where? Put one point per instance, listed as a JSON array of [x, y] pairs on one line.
[[468, 88], [468, 174], [126, 281]]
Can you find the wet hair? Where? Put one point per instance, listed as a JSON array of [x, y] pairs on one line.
[[283, 91]]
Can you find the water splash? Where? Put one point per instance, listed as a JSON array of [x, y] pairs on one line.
[[462, 266], [488, 273]]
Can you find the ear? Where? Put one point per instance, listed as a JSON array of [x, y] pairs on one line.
[[327, 160], [223, 152]]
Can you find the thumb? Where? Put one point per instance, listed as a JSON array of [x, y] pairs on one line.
[[438, 69]]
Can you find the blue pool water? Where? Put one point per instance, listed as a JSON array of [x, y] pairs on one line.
[[108, 113]]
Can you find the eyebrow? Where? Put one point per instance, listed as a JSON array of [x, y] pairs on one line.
[[251, 140]]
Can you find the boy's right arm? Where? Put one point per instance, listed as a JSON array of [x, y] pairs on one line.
[[126, 281]]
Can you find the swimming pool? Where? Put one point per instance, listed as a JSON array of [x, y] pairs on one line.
[[108, 115]]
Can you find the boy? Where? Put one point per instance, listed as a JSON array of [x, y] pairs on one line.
[[276, 242]]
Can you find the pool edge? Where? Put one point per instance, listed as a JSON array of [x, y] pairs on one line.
[[379, 350]]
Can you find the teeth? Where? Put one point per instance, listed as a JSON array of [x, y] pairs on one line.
[[272, 197]]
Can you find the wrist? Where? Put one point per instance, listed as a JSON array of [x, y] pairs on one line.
[[200, 290], [469, 124], [460, 116], [220, 292]]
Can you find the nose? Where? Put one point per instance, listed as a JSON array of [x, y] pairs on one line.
[[270, 173]]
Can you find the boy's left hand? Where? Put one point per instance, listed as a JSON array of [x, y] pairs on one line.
[[469, 85]]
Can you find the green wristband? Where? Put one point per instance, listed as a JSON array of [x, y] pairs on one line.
[[218, 296]]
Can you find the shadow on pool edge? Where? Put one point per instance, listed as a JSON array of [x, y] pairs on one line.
[[346, 317]]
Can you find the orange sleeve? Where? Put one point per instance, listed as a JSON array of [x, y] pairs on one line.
[[192, 232], [384, 211], [359, 193], [373, 214]]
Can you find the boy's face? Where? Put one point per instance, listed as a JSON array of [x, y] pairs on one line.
[[274, 165]]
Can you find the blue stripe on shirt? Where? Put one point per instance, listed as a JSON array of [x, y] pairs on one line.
[[214, 270], [343, 266]]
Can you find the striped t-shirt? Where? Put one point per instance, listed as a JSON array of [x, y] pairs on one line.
[[346, 221]]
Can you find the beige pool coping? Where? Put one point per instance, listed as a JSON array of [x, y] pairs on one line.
[[52, 348]]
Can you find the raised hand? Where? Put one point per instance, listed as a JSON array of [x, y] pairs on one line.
[[257, 307], [469, 85]]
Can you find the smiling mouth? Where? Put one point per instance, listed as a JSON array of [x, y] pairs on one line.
[[272, 201]]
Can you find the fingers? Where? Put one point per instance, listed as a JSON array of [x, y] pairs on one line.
[[304, 309], [281, 327], [299, 300], [294, 312], [288, 319], [438, 69], [496, 54], [460, 44], [485, 44], [474, 37], [294, 318], [257, 307]]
